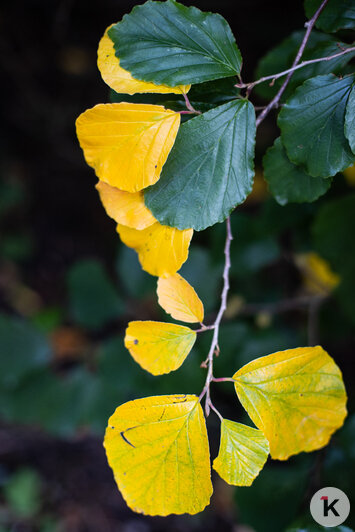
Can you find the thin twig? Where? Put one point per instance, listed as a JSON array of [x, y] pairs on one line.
[[217, 322], [278, 307], [274, 102], [189, 106], [205, 328], [294, 68]]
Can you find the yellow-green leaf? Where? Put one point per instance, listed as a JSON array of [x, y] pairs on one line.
[[127, 144], [177, 297], [242, 453], [120, 79], [296, 397], [158, 450], [162, 250], [126, 208], [159, 347]]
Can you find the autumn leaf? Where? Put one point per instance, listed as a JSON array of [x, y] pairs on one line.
[[159, 347], [296, 397], [127, 144], [177, 297], [162, 250], [242, 453], [120, 79], [126, 208], [318, 277], [158, 450]]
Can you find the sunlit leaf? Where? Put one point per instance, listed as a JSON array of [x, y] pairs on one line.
[[178, 298], [127, 144], [158, 450], [159, 347], [126, 208], [120, 79], [242, 453], [296, 397], [162, 250]]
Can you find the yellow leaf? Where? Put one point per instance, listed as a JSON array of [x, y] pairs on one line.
[[158, 450], [242, 453], [127, 144], [296, 397], [126, 208], [162, 250], [318, 276], [177, 297], [159, 347], [120, 79]]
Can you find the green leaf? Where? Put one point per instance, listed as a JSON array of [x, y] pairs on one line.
[[93, 299], [23, 493], [242, 454], [22, 349], [350, 119], [337, 14], [169, 43], [289, 183], [209, 170], [281, 58], [312, 125]]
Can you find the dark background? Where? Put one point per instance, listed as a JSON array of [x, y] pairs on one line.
[[68, 289]]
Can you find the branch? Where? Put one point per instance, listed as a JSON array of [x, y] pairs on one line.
[[275, 101], [214, 344], [294, 68]]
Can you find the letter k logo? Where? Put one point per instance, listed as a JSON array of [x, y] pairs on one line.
[[329, 507]]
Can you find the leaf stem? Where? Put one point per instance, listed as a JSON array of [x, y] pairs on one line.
[[205, 328], [275, 101], [214, 344], [189, 106]]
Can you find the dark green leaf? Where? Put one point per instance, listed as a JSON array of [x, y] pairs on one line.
[[169, 43], [312, 125], [281, 58], [92, 297], [337, 14], [350, 119], [288, 183], [22, 349], [209, 170]]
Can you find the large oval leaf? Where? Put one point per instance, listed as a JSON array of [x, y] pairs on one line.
[[126, 208], [296, 397], [158, 450], [120, 79], [157, 346], [289, 183], [350, 119], [127, 144], [312, 125], [162, 250], [178, 298], [242, 453], [166, 42], [210, 168]]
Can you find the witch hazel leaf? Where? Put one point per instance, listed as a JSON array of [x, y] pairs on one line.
[[178, 298], [158, 450], [296, 398], [159, 347], [242, 453], [162, 250], [350, 120], [167, 42], [127, 144], [126, 208], [119, 79]]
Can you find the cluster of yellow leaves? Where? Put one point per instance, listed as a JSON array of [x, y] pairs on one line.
[[158, 448], [162, 347], [127, 145]]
